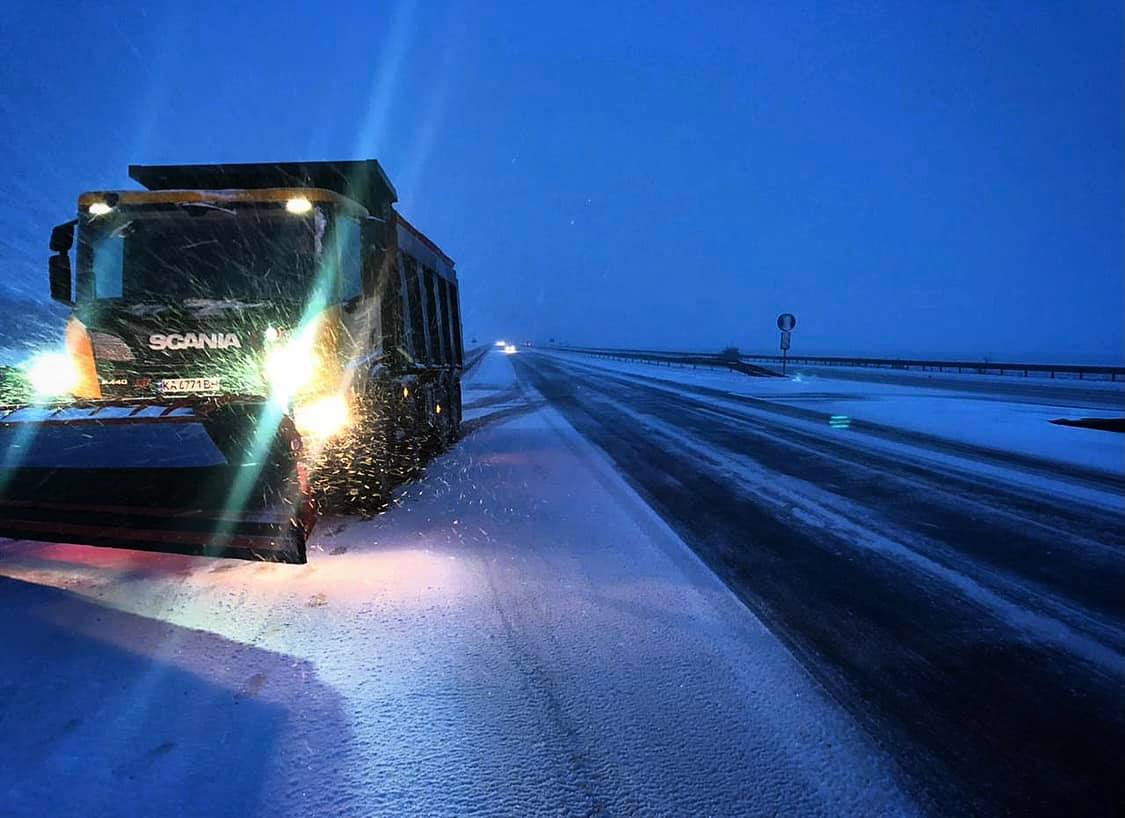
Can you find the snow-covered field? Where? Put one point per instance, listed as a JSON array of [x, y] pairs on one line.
[[521, 635]]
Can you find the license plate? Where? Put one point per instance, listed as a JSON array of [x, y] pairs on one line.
[[184, 386]]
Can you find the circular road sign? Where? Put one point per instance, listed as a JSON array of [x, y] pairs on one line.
[[786, 322]]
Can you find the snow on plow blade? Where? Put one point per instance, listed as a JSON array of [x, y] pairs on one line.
[[207, 478]]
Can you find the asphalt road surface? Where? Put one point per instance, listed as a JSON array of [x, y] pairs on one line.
[[973, 624]]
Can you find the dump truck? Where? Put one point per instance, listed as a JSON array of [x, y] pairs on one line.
[[248, 346]]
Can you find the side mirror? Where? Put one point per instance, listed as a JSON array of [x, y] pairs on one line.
[[62, 237], [374, 236], [59, 273]]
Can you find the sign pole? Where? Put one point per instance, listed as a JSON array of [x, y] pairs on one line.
[[785, 322]]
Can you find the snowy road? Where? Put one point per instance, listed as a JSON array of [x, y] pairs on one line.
[[949, 566], [521, 635]]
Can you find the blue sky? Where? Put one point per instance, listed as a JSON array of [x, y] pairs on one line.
[[908, 178]]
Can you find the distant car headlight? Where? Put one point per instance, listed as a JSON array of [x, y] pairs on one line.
[[52, 374], [322, 418]]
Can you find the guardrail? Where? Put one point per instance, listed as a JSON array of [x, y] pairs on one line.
[[692, 359], [1079, 371], [472, 356]]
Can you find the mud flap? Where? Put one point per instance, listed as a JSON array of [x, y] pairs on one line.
[[213, 479]]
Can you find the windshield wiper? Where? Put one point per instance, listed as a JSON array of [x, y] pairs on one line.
[[198, 244], [201, 208]]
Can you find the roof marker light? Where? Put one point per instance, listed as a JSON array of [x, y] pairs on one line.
[[298, 205], [98, 208]]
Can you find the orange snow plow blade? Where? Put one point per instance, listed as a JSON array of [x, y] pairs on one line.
[[207, 478]]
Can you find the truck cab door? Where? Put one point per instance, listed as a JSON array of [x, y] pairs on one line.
[[361, 317]]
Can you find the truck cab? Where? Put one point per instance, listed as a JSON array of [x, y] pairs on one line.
[[248, 346], [295, 283]]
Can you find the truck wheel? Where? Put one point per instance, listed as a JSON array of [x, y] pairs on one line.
[[455, 408], [370, 480], [355, 474], [446, 421], [432, 419], [408, 429]]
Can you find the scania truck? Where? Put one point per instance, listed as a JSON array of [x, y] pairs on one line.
[[248, 346]]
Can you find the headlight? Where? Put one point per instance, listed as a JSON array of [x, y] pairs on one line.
[[289, 368], [52, 374], [323, 418]]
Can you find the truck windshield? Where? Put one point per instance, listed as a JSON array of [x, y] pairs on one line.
[[199, 252]]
